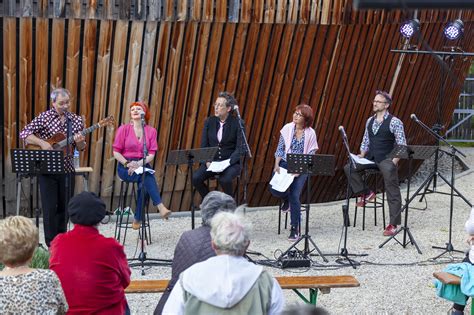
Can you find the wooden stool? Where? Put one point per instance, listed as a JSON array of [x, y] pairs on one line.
[[123, 212], [375, 204]]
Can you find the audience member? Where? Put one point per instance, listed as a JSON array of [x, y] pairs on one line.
[[226, 283], [93, 269], [25, 290], [195, 246]]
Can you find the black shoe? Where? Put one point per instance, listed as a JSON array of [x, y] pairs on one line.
[[294, 234], [285, 207]]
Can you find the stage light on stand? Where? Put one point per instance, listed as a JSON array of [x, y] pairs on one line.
[[410, 28], [454, 30]]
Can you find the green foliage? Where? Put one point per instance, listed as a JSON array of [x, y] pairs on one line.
[[40, 259]]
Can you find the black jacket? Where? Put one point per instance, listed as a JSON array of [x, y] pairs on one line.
[[229, 145]]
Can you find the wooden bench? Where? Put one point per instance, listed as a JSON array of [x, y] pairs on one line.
[[447, 278], [313, 283]]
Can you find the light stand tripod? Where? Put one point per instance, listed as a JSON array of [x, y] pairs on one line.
[[449, 246], [309, 165], [411, 153], [142, 258], [35, 163], [345, 208], [189, 157]]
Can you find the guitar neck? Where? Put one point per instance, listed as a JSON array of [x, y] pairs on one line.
[[84, 132]]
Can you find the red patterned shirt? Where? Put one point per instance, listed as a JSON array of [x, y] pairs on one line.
[[49, 123]]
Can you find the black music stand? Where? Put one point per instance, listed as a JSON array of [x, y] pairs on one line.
[[34, 163], [310, 165], [189, 157], [410, 152]]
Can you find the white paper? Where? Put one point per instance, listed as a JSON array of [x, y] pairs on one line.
[[281, 182], [218, 166], [140, 170], [360, 160]]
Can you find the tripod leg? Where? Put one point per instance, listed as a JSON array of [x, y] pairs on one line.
[[317, 249]]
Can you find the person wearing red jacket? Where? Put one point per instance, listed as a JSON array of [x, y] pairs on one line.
[[92, 268]]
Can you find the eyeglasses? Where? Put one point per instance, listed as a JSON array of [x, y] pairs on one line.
[[62, 103], [298, 114], [379, 102]]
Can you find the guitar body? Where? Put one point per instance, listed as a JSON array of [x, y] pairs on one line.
[[53, 141]]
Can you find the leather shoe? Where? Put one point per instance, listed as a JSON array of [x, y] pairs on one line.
[[136, 224], [390, 230]]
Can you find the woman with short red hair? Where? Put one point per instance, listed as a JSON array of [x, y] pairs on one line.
[[295, 137], [128, 151]]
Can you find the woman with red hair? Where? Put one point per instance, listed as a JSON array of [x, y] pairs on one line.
[[128, 151], [295, 137]]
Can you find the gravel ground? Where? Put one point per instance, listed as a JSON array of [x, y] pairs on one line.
[[393, 279]]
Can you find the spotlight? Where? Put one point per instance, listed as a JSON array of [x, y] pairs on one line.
[[454, 30], [410, 28]]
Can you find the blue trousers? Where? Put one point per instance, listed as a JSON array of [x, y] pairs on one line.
[[292, 194], [151, 187]]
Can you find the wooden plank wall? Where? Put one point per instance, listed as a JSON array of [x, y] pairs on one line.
[[272, 55]]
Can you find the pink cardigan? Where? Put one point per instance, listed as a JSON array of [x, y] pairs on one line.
[[310, 141]]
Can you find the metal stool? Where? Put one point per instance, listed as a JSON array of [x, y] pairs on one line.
[[304, 207], [124, 209], [375, 204]]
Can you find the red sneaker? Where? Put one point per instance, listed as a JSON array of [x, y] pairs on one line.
[[390, 230]]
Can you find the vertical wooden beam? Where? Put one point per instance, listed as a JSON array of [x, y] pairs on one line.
[[76, 9], [59, 8], [9, 99], [26, 7], [97, 155], [26, 70], [57, 54], [41, 66], [221, 10], [208, 10], [154, 10], [270, 11], [146, 65], [182, 10], [196, 10], [72, 60]]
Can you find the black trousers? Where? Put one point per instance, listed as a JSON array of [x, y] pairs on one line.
[[225, 178], [53, 201], [392, 186]]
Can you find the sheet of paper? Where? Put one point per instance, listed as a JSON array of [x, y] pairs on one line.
[[281, 182], [360, 160], [218, 166], [148, 170]]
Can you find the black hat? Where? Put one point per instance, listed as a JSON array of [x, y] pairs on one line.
[[86, 208]]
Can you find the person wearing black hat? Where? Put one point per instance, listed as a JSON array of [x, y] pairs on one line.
[[92, 268]]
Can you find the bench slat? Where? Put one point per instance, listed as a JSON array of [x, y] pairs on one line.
[[447, 278], [314, 282]]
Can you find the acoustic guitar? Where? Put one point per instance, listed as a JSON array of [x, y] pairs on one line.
[[59, 140]]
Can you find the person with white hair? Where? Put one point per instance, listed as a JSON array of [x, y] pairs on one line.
[[195, 246], [226, 283]]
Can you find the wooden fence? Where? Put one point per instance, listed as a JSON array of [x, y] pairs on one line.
[[272, 55]]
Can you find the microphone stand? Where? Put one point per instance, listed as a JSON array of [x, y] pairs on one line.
[[449, 246], [68, 175], [244, 152], [142, 256], [345, 208]]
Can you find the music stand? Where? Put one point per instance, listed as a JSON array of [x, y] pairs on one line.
[[310, 165], [410, 152], [34, 163], [189, 157]]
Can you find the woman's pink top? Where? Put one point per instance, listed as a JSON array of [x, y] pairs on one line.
[[127, 143]]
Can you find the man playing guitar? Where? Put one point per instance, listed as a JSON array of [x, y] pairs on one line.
[[53, 187]]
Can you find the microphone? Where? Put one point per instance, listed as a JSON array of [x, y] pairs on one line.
[[236, 109], [413, 116], [142, 114], [341, 129]]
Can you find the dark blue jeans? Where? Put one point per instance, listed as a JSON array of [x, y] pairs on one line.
[[151, 187], [292, 194]]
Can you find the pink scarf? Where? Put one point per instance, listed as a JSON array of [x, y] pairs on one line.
[[310, 141]]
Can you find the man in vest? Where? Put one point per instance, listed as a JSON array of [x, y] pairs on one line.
[[226, 283], [382, 132]]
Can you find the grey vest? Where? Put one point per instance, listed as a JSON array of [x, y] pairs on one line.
[[257, 301]]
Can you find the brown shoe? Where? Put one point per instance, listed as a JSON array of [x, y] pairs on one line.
[[164, 212], [136, 224]]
